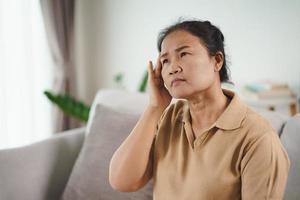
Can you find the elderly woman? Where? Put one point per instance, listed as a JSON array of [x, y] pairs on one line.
[[207, 145]]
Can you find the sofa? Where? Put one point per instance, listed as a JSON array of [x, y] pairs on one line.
[[74, 164]]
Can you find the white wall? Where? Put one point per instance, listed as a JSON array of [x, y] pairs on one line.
[[262, 38]]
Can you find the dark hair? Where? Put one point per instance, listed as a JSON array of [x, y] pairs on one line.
[[209, 34]]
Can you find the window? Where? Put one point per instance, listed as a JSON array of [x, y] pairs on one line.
[[25, 72]]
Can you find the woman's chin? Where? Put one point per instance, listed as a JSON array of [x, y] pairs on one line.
[[179, 94]]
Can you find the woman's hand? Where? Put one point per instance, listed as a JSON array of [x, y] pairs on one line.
[[160, 98]]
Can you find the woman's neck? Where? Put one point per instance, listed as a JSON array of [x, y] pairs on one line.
[[207, 106]]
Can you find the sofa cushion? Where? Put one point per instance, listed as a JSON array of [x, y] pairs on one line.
[[122, 100], [291, 139], [89, 177], [39, 171], [276, 119]]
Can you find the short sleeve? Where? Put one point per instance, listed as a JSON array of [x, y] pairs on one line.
[[161, 119], [264, 169]]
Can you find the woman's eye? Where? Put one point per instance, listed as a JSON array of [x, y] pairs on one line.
[[164, 61], [183, 54]]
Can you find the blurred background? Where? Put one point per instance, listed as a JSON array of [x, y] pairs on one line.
[[76, 47]]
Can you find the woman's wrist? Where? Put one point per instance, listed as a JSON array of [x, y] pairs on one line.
[[155, 110]]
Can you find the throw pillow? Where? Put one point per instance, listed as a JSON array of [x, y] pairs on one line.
[[89, 178]]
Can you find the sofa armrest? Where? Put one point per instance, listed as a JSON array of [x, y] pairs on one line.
[[290, 139], [41, 170]]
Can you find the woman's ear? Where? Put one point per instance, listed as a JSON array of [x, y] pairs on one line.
[[219, 58]]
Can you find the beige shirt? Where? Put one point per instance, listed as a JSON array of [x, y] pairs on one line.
[[239, 157]]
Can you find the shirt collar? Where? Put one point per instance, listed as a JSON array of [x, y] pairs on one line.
[[231, 118]]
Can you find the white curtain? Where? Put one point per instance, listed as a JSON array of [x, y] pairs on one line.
[[26, 70]]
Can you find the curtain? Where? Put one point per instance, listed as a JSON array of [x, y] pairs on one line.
[[59, 23], [25, 72]]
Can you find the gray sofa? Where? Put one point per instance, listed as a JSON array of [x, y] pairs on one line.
[[74, 164]]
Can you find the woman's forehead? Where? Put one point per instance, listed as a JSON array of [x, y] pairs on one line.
[[179, 39]]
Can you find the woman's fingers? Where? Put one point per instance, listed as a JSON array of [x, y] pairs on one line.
[[158, 68], [150, 69]]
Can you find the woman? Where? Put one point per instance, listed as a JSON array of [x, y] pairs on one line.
[[209, 144]]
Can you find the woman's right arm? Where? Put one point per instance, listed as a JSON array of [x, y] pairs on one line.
[[131, 165]]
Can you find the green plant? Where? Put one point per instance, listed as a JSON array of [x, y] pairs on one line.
[[143, 84], [78, 109], [70, 106], [118, 78]]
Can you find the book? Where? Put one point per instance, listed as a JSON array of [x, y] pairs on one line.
[[266, 86], [268, 91]]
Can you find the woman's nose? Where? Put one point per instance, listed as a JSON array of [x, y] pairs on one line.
[[175, 69]]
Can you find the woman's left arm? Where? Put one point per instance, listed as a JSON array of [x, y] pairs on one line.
[[264, 169]]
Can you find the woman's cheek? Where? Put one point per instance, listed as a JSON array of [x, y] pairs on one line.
[[163, 75], [164, 80]]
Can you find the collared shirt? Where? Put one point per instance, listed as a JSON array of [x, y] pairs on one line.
[[239, 157]]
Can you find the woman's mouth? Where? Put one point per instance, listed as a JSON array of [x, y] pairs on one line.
[[177, 81]]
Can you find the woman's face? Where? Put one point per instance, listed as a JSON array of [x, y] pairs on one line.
[[187, 67]]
